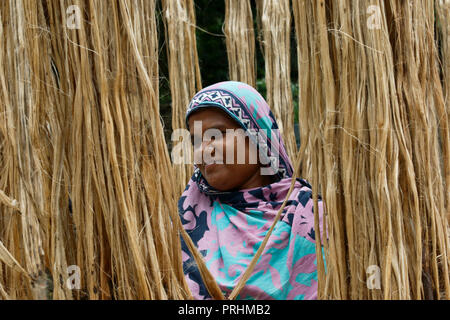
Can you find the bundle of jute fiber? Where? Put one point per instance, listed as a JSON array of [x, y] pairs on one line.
[[84, 156], [240, 41], [419, 87], [443, 23], [21, 236], [372, 114], [443, 33], [184, 75], [275, 28]]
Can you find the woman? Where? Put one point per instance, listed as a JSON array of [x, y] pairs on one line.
[[228, 206]]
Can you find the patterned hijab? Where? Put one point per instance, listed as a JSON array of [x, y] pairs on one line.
[[228, 227]]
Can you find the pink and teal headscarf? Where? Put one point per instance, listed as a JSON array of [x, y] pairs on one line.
[[229, 227]]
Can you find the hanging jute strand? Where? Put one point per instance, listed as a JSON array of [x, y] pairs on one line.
[[184, 74], [443, 22], [276, 26], [240, 41], [443, 34]]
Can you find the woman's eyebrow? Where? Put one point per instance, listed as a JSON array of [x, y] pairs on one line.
[[219, 126], [215, 125]]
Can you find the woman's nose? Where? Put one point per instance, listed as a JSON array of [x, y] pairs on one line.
[[205, 149], [208, 148]]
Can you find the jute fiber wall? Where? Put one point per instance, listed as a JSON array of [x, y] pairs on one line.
[[373, 116], [88, 190], [83, 155]]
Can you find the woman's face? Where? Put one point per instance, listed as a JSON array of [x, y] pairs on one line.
[[213, 144]]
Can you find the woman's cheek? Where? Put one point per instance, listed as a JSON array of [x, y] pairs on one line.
[[234, 150], [197, 155], [219, 177]]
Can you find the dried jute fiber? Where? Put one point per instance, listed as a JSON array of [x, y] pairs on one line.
[[184, 74], [372, 112], [87, 187], [275, 28], [89, 191], [240, 41]]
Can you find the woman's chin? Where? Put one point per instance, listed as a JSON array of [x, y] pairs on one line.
[[217, 179], [218, 183]]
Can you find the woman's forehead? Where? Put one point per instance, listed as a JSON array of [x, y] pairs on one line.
[[212, 116]]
